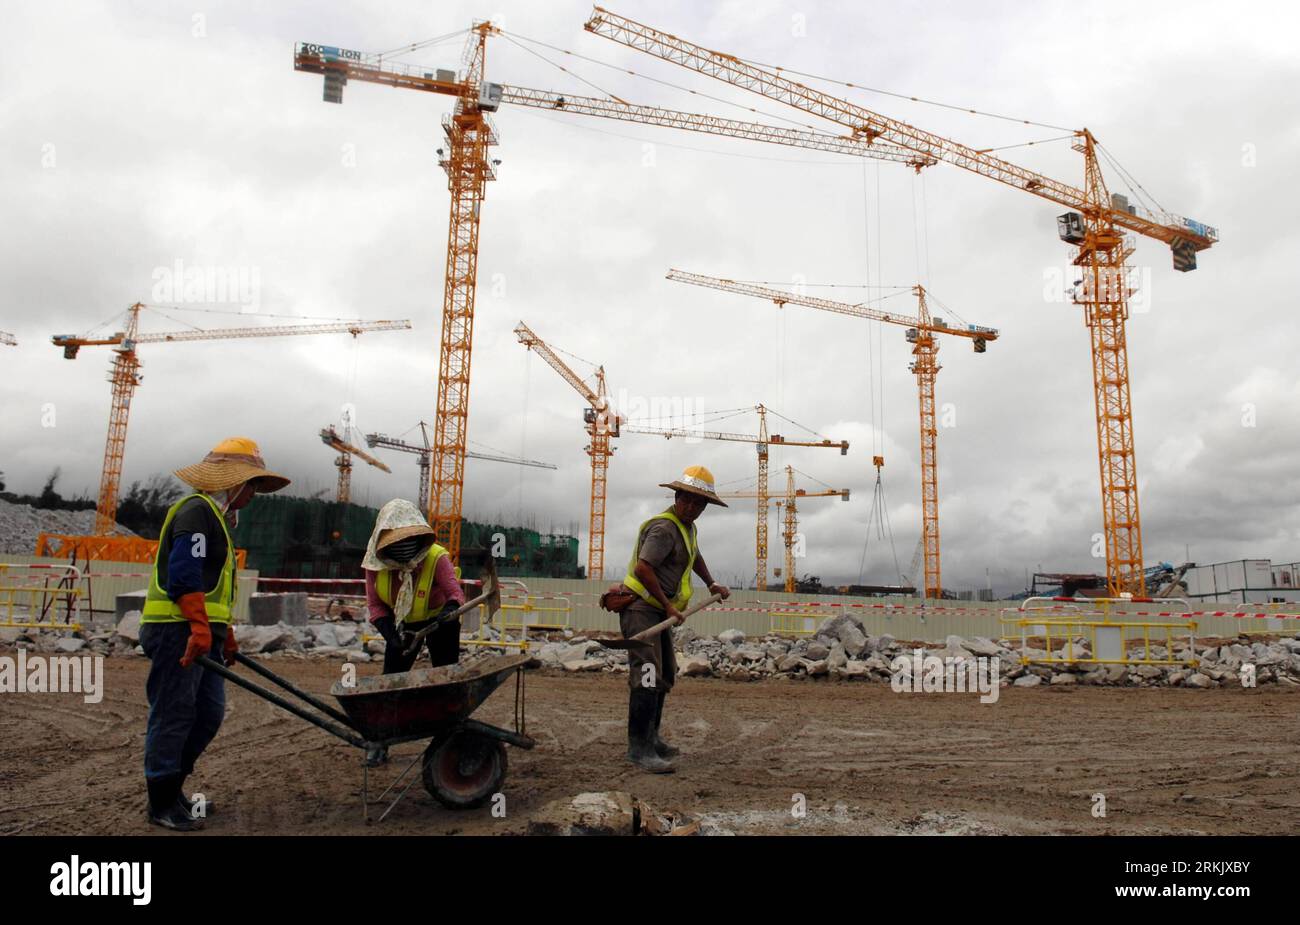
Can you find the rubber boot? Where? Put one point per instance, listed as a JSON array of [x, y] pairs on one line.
[[662, 748], [640, 732], [165, 807], [185, 803]]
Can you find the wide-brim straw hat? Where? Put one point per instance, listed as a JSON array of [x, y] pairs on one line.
[[396, 534], [232, 462], [698, 481]]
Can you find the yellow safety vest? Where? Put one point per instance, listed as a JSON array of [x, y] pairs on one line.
[[423, 586], [683, 596], [219, 602]]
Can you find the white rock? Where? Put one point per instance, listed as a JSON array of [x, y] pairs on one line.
[[325, 635], [71, 644], [587, 664], [856, 669], [789, 663], [1199, 680], [732, 637], [837, 657], [129, 626], [1064, 677], [346, 633], [1029, 680], [817, 652], [981, 646], [694, 666]]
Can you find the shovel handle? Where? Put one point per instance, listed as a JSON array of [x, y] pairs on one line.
[[437, 621], [662, 625]]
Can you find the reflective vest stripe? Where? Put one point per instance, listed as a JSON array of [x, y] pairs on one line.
[[219, 602], [632, 583], [423, 582]]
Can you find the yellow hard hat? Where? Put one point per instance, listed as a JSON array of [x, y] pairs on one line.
[[698, 481]]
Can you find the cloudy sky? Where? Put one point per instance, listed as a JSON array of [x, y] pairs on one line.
[[136, 135]]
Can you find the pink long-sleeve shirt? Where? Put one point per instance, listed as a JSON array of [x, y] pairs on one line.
[[445, 588]]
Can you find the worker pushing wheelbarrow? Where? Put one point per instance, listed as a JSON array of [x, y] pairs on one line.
[[464, 763]]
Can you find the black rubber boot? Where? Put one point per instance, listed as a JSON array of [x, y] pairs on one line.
[[165, 807], [640, 732], [662, 748], [209, 808]]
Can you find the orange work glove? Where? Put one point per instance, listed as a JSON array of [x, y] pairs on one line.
[[229, 647], [194, 610]]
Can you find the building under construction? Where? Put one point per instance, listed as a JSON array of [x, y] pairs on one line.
[[308, 538]]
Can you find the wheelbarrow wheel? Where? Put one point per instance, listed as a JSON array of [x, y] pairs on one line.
[[464, 769]]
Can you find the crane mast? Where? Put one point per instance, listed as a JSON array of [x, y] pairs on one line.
[[922, 333], [601, 425]]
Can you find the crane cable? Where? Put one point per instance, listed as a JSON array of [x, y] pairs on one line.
[[878, 518], [902, 96]]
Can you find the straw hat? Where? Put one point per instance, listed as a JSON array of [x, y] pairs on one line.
[[698, 481], [394, 534], [232, 462]]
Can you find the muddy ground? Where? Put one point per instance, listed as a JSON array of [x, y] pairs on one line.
[[867, 759]]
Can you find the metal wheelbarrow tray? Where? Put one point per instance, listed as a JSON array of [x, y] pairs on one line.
[[465, 761]]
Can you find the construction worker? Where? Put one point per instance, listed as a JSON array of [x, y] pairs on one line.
[[410, 582], [659, 573], [187, 613]]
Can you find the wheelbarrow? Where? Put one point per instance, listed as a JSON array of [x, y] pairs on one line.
[[464, 763]]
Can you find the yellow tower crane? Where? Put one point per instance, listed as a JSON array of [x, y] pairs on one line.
[[423, 454], [762, 441], [602, 424], [1097, 226], [469, 167], [790, 527], [125, 376], [922, 333], [335, 441]]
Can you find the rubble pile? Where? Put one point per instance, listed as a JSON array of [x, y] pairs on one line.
[[841, 650], [20, 524]]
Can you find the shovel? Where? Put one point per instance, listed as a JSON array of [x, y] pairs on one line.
[[646, 636], [491, 596]]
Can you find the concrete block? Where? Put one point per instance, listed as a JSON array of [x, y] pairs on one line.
[[270, 609], [127, 602]]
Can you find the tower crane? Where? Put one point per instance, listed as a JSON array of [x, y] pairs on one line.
[[922, 333], [791, 524], [125, 376], [334, 440], [470, 133], [601, 425], [423, 454], [762, 441], [1097, 225]]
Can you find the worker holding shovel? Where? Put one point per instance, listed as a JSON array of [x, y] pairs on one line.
[[411, 587], [658, 586]]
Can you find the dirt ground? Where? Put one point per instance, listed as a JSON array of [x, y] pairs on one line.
[[868, 760]]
